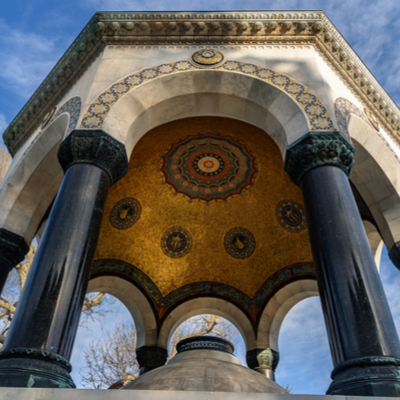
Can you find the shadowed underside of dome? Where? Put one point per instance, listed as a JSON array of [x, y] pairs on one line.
[[205, 369]]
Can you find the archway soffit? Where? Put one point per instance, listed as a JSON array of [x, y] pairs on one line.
[[316, 113], [252, 307]]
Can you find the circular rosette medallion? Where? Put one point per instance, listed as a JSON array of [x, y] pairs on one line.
[[371, 118], [239, 243], [291, 215], [209, 167], [48, 117], [176, 242], [207, 57], [125, 213]]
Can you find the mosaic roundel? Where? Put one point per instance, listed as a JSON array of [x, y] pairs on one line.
[[125, 213], [176, 242], [371, 118], [207, 57], [48, 117], [291, 215], [209, 167], [239, 243]]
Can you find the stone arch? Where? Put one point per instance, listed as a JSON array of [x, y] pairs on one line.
[[73, 108], [135, 301], [207, 305], [278, 307], [375, 241], [343, 108], [33, 181], [376, 175], [139, 102]]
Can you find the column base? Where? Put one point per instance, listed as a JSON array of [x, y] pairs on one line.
[[367, 376], [34, 368]]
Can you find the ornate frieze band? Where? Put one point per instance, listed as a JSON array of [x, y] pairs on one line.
[[316, 150], [236, 28], [317, 114], [163, 305], [94, 147]]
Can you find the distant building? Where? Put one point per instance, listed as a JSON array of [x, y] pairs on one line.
[[192, 163]]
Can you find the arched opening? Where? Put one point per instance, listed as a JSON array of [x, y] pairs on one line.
[[33, 181], [305, 362], [104, 354], [209, 325]]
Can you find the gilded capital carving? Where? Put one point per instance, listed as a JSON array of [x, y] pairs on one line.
[[316, 150], [262, 359], [94, 147]]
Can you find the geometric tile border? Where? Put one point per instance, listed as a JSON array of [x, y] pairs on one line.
[[343, 108], [252, 307], [316, 113]]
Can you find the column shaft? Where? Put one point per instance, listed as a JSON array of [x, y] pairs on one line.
[[355, 307], [48, 312]]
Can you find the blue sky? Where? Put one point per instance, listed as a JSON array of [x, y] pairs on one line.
[[36, 33]]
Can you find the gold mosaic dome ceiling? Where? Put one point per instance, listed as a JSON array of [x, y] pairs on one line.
[[205, 208]]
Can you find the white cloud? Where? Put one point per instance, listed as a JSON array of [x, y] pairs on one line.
[[3, 123], [26, 59]]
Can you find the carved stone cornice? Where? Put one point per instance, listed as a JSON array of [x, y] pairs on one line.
[[94, 147], [317, 149], [212, 28]]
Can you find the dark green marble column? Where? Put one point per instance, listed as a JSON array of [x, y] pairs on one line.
[[13, 249], [41, 337], [363, 339]]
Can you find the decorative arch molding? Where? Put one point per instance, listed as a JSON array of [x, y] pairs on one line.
[[277, 308], [317, 115], [33, 181], [252, 308], [73, 108], [343, 108], [207, 305], [135, 301]]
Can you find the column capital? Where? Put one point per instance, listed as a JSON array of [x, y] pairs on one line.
[[13, 248], [151, 357], [317, 149], [96, 147], [394, 254], [262, 358]]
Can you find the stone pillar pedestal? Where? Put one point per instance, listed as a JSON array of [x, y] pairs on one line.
[[150, 357], [39, 343], [13, 249], [363, 339]]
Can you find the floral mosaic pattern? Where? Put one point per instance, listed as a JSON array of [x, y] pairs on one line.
[[317, 114], [209, 167], [73, 107]]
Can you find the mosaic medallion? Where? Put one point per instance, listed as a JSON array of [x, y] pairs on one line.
[[207, 57], [48, 117], [371, 118], [209, 167], [291, 215], [125, 213], [239, 243], [176, 242]]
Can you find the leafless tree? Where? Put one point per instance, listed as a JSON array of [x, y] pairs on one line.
[[111, 363]]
